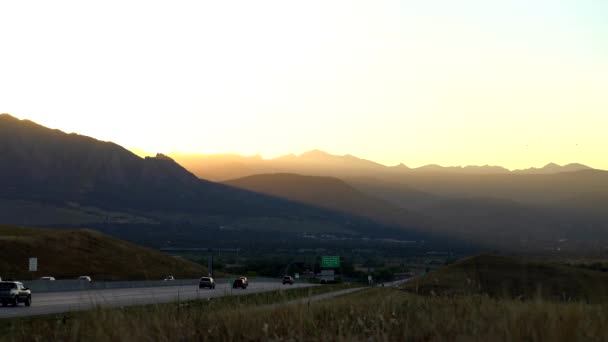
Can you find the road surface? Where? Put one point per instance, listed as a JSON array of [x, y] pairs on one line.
[[334, 294], [59, 302]]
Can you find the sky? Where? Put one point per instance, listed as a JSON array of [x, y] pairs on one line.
[[515, 83]]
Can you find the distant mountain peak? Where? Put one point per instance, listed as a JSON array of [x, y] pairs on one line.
[[554, 168], [401, 166], [315, 154], [7, 116], [551, 166], [431, 166], [161, 156], [582, 166]]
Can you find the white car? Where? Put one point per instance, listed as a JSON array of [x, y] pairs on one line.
[[85, 279], [206, 282], [169, 278], [48, 278]]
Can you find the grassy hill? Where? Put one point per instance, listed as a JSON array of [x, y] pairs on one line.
[[500, 276], [69, 254]]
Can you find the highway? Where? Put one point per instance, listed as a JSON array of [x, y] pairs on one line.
[[60, 302]]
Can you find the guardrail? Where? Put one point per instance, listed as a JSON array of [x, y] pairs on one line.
[[79, 285]]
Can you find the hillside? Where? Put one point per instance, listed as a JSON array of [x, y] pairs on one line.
[[595, 203], [78, 181], [51, 166], [500, 276], [69, 254], [401, 195], [495, 223], [520, 227], [331, 193], [538, 189]]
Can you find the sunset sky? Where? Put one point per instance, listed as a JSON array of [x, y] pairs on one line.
[[512, 83]]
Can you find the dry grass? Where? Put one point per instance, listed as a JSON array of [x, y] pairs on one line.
[[372, 315], [505, 277], [71, 253]]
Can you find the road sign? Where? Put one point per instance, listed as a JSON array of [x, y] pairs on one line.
[[330, 261], [297, 275], [33, 264]]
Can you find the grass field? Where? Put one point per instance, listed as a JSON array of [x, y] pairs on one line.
[[371, 315], [108, 324], [72, 253], [505, 277]]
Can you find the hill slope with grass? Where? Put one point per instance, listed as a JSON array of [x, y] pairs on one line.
[[507, 277], [72, 253]]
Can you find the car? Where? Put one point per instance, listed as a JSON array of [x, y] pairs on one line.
[[85, 279], [14, 292], [169, 278], [48, 278], [288, 280], [206, 282], [239, 283], [245, 280]]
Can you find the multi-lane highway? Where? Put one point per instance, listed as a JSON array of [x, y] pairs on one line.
[[59, 302]]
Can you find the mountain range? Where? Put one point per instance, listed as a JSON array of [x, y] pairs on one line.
[[523, 209], [48, 177], [221, 167]]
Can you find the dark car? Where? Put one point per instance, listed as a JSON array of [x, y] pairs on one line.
[[288, 280], [240, 283], [206, 282], [13, 292]]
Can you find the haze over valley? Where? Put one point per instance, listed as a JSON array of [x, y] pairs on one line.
[[77, 181], [270, 170]]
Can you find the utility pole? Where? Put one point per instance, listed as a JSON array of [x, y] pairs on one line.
[[210, 264]]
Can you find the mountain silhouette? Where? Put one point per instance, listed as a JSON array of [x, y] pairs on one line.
[[56, 170], [320, 163], [552, 168], [62, 178]]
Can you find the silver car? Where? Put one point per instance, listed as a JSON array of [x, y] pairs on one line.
[[206, 282], [13, 292]]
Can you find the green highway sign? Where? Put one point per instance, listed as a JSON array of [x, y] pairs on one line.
[[330, 261]]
